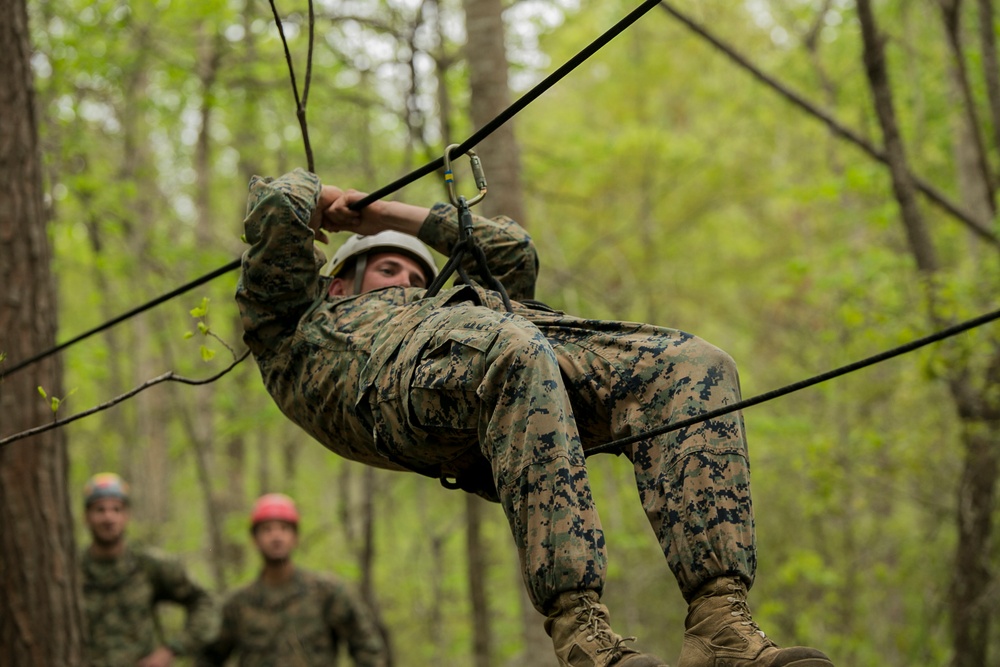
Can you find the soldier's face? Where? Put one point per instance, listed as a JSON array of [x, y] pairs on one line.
[[390, 269], [107, 519], [276, 540]]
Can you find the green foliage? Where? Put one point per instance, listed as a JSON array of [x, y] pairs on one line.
[[54, 401], [663, 184]]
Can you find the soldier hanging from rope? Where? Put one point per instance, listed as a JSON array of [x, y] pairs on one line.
[[506, 405]]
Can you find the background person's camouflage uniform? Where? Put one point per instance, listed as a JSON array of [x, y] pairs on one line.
[[432, 385], [120, 597], [299, 624]]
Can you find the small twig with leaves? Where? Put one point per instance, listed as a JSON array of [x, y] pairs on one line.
[[201, 313], [166, 377], [54, 401]]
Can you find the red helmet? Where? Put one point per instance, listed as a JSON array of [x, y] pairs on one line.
[[274, 507]]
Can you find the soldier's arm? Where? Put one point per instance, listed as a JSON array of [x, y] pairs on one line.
[[217, 651], [172, 583], [350, 619], [509, 250], [280, 276]]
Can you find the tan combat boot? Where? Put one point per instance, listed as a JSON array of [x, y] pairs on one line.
[[719, 632], [578, 625]]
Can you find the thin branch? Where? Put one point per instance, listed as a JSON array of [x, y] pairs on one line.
[[951, 16], [168, 376], [300, 109], [835, 126], [991, 70], [873, 43]]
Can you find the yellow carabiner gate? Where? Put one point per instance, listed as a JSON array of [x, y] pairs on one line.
[[477, 173]]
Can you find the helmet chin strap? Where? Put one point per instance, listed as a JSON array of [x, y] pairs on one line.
[[359, 272]]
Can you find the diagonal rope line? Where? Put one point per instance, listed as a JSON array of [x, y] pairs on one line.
[[121, 318], [837, 128], [616, 445], [428, 168]]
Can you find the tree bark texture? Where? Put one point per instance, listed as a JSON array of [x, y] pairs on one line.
[[486, 55], [482, 650], [40, 619]]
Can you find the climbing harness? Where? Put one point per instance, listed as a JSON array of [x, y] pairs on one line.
[[466, 241]]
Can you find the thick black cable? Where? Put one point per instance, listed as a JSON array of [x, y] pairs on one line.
[[469, 143], [616, 446], [124, 316]]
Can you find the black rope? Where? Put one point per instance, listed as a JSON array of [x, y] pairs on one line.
[[469, 143], [124, 316], [514, 108], [615, 446]]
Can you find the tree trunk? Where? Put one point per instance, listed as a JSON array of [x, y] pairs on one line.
[[490, 94], [40, 620], [486, 56], [482, 649], [971, 390]]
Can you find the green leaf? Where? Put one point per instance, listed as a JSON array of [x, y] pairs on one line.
[[207, 353], [55, 404], [201, 310], [188, 334], [203, 328], [42, 392]]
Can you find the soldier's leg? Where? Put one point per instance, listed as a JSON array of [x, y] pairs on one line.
[[471, 375], [694, 483], [504, 369], [628, 378]]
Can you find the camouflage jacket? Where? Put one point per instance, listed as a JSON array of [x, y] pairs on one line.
[[300, 624], [120, 598], [320, 355]]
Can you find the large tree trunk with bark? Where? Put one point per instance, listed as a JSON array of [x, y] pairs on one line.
[[40, 620], [486, 55]]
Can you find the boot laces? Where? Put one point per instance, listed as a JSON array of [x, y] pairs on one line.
[[592, 617], [740, 608]]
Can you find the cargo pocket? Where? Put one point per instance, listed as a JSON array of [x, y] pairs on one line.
[[442, 394]]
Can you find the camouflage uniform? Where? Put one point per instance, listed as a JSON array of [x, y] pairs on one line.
[[119, 599], [434, 385], [300, 624]]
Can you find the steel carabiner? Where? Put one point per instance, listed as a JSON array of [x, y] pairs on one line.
[[477, 173]]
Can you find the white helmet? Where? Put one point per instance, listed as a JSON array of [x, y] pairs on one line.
[[358, 247]]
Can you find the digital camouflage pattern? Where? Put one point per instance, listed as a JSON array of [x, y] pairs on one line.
[[120, 598], [300, 624], [435, 384]]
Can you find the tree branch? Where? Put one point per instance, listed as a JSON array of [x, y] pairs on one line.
[[836, 127], [168, 376], [300, 102]]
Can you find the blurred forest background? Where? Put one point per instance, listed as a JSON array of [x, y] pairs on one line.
[[662, 182]]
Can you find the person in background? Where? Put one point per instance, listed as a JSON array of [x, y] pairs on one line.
[[289, 615], [123, 584]]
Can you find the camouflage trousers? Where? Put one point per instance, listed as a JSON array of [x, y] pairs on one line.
[[534, 394]]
